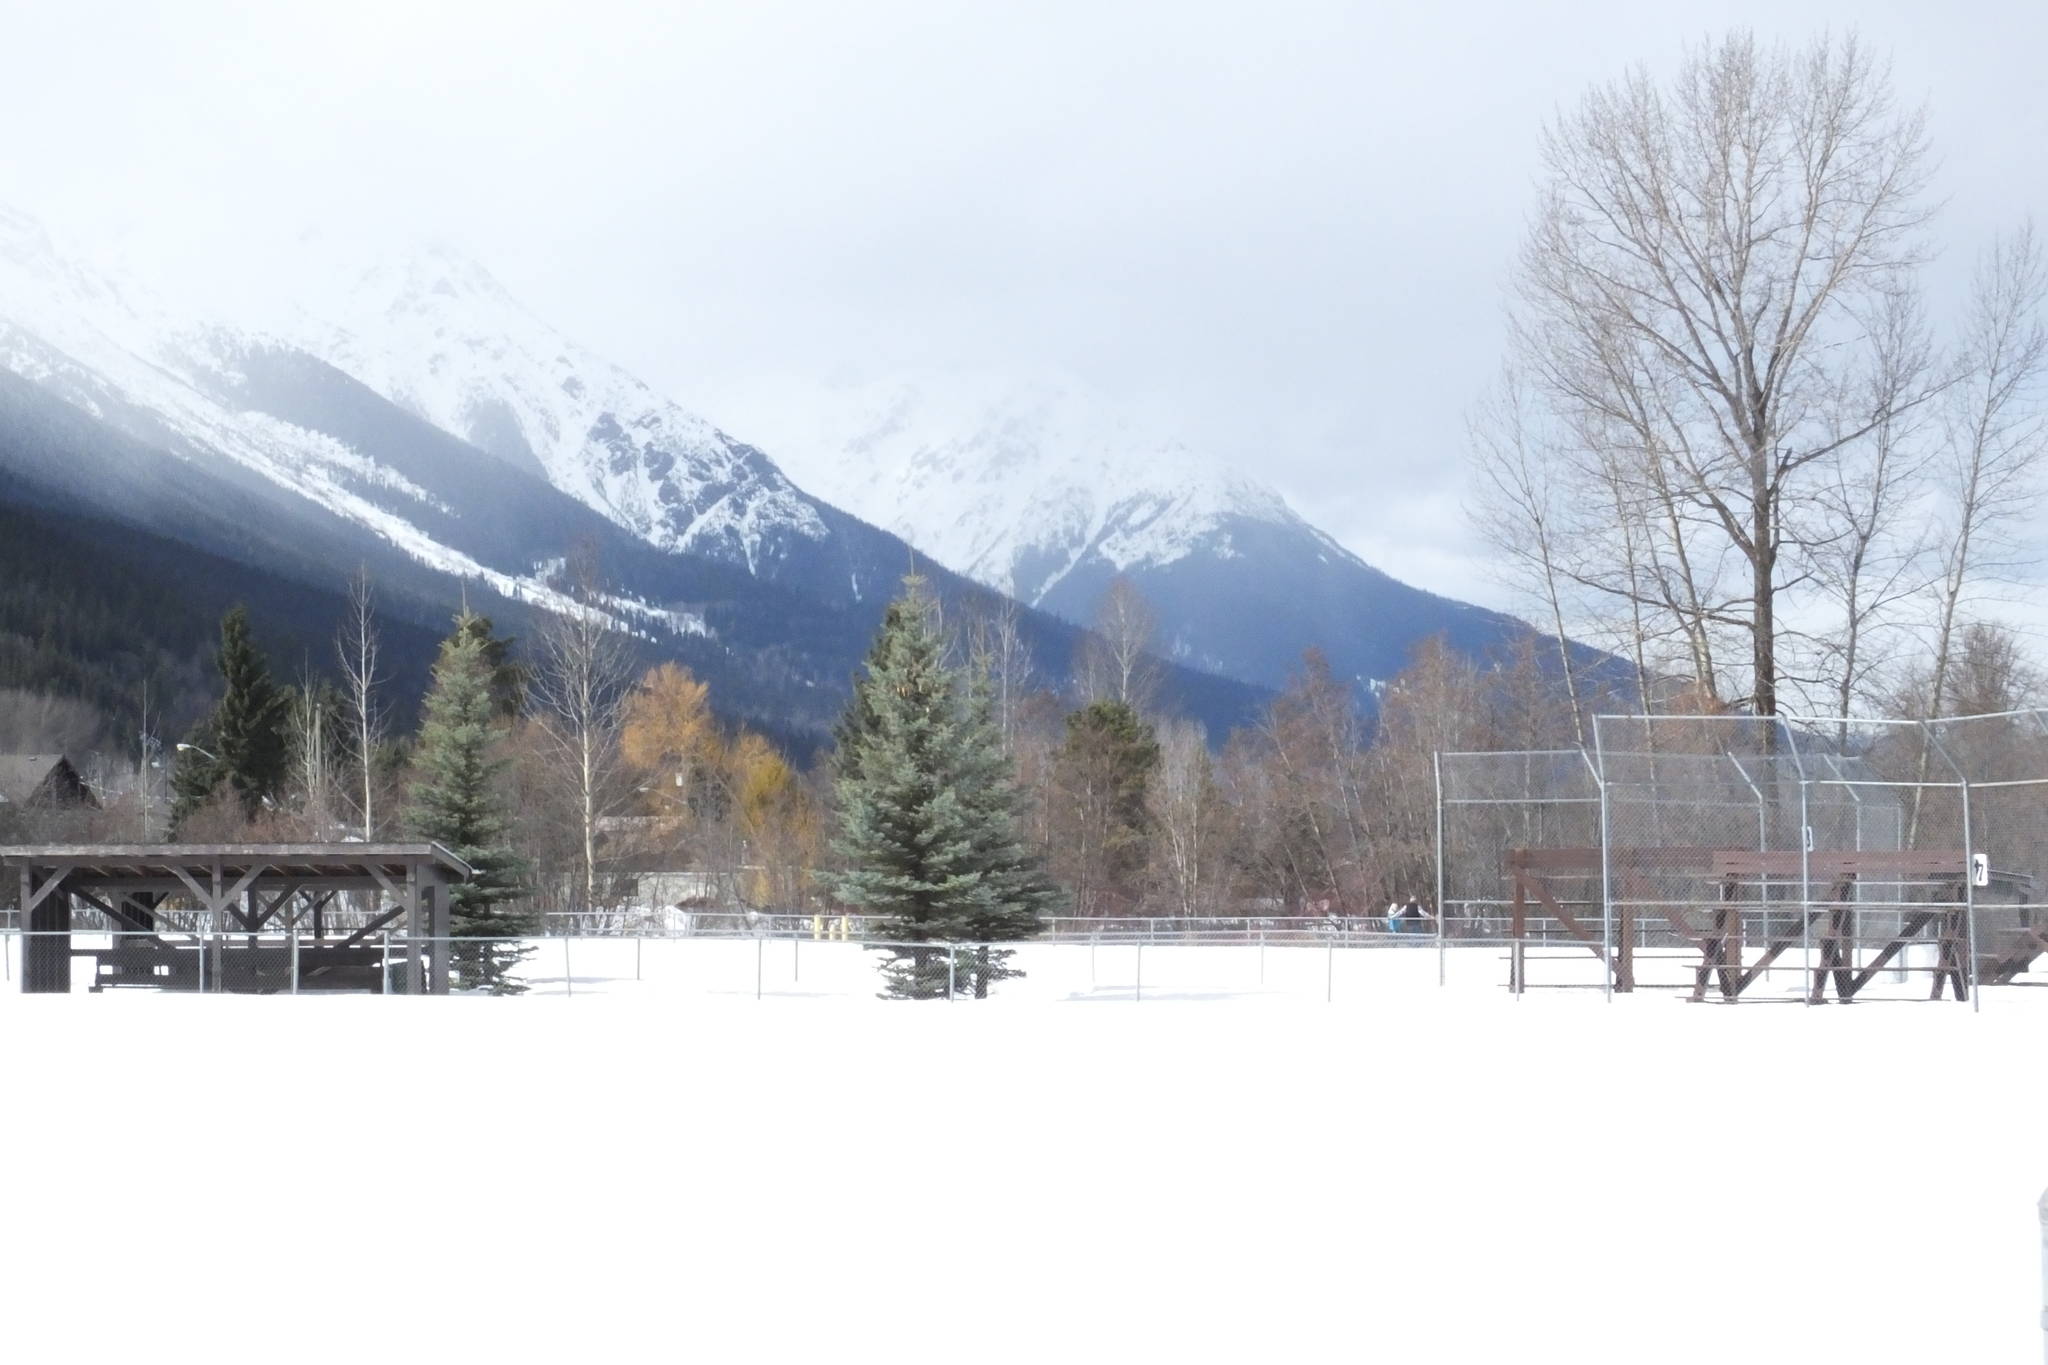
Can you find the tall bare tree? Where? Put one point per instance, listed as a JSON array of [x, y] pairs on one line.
[[1994, 434], [1874, 564], [1187, 818], [357, 645], [312, 750], [1518, 509], [996, 648], [580, 681], [1698, 281], [1119, 661]]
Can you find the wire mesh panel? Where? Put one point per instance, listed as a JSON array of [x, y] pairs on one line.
[[2002, 760], [1886, 874], [1496, 806]]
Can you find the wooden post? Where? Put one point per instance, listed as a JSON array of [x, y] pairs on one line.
[[436, 891], [46, 934], [1625, 951], [415, 975]]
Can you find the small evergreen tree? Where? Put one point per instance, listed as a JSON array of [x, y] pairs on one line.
[[1104, 773], [246, 742], [453, 801], [927, 804]]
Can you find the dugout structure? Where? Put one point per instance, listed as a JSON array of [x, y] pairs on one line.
[[237, 918], [1735, 857]]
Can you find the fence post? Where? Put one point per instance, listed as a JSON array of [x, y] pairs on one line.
[[295, 959], [636, 957], [1969, 892], [759, 948], [205, 951], [1606, 868], [1262, 957], [2043, 1209], [796, 959], [950, 966], [1813, 989], [1439, 761], [1329, 969], [568, 973], [383, 965], [1138, 989]]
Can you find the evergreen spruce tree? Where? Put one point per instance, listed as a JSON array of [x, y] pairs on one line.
[[453, 802], [246, 742], [195, 773], [926, 811], [1104, 771], [507, 674], [1022, 894]]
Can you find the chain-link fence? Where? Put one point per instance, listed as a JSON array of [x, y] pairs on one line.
[[1739, 857]]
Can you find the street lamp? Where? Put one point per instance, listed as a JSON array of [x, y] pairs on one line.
[[195, 749]]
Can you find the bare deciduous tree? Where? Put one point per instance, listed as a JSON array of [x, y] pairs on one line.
[[1118, 660], [1872, 566], [996, 648], [1519, 512], [312, 769], [1994, 434], [1694, 290], [1186, 821], [357, 645], [581, 679]]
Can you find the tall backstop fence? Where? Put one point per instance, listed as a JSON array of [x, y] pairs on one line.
[[1740, 857]]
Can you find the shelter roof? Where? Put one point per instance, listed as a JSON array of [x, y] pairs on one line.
[[116, 862]]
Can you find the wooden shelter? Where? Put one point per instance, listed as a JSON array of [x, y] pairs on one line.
[[236, 917]]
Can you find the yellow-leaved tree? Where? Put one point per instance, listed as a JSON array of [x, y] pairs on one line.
[[672, 742]]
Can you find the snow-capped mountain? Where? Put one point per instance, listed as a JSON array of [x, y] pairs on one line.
[[436, 334], [1018, 488], [1048, 493], [419, 421], [103, 342]]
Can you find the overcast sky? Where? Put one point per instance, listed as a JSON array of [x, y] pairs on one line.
[[1286, 223]]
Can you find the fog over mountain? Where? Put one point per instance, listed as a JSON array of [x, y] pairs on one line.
[[1284, 232]]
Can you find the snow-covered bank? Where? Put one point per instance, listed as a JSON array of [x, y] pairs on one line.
[[1420, 1175]]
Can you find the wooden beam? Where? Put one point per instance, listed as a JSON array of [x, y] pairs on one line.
[[1909, 933], [31, 898], [372, 926], [126, 923]]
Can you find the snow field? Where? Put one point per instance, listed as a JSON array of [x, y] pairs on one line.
[[1075, 970], [663, 1173], [1054, 972]]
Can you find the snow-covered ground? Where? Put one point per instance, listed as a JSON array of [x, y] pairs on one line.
[[671, 1170]]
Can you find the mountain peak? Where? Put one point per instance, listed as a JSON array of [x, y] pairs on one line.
[[430, 329], [23, 237], [431, 277], [1016, 482]]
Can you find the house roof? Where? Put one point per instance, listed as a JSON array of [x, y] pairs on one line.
[[22, 776]]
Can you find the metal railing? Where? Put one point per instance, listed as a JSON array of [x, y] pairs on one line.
[[675, 922], [292, 961]]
